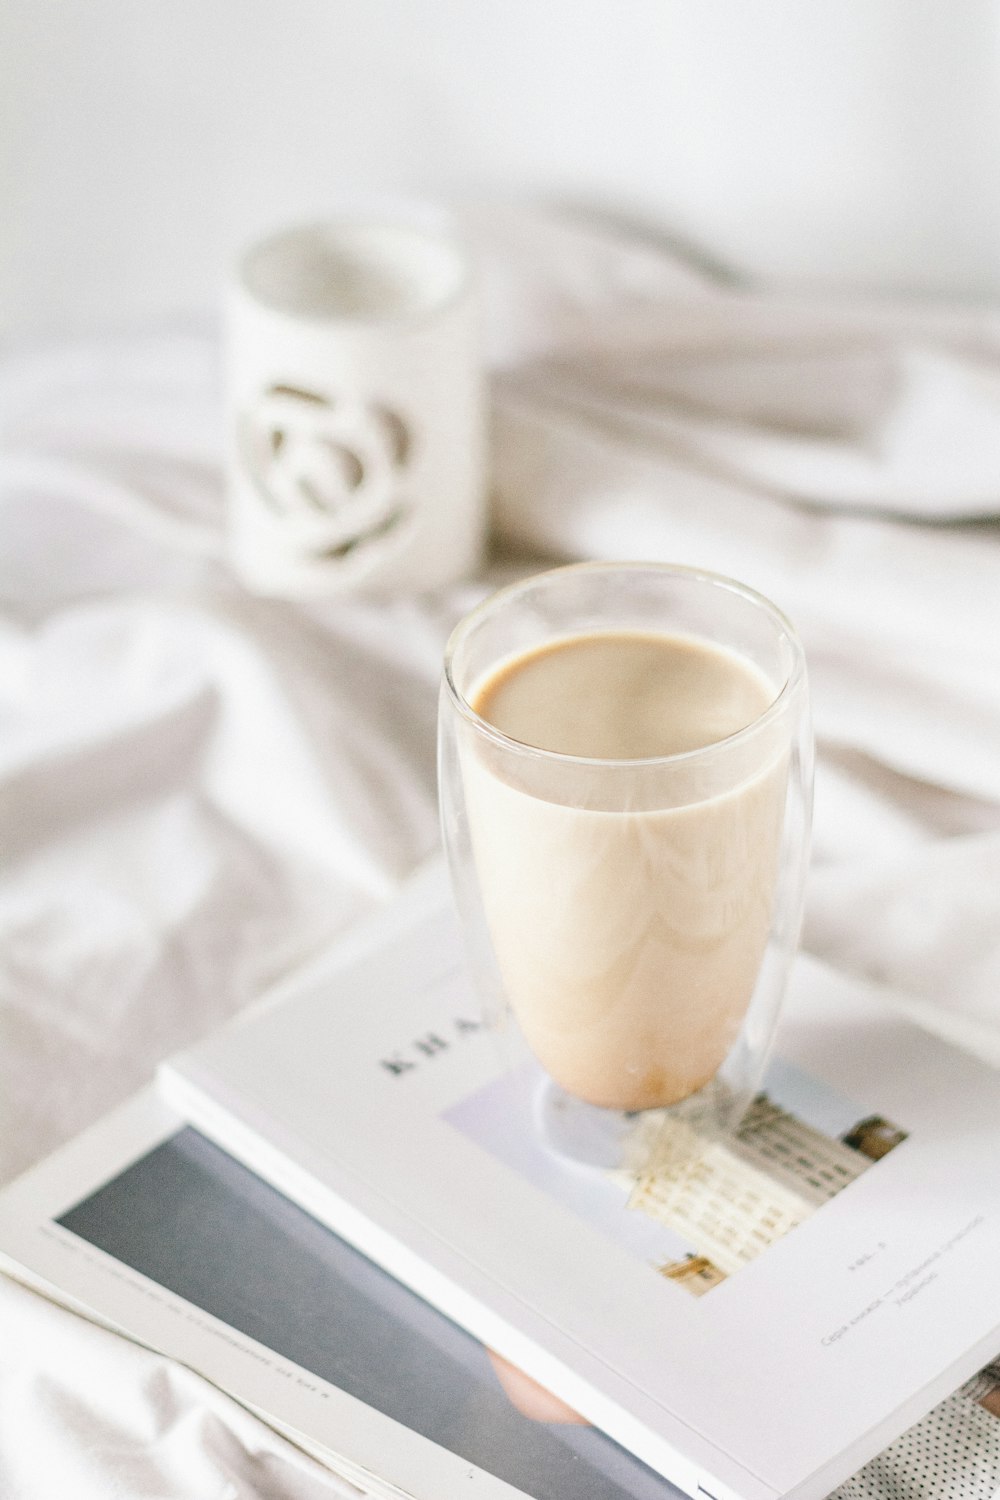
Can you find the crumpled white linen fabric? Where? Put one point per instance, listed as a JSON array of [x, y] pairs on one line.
[[110, 1418], [199, 789]]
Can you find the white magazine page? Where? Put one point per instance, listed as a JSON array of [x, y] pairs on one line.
[[371, 1096], [151, 1229]]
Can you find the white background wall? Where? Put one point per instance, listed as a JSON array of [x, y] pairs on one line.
[[851, 142]]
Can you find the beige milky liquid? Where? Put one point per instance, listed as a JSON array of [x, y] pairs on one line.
[[628, 906]]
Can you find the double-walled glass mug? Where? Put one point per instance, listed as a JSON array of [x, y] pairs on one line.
[[625, 764]]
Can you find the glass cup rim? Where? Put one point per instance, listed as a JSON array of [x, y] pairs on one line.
[[503, 596]]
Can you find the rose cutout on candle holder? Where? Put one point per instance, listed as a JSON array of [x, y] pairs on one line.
[[331, 468]]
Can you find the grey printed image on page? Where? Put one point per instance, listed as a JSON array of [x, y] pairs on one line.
[[196, 1222]]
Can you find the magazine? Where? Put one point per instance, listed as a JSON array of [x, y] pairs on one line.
[[149, 1228], [753, 1321]]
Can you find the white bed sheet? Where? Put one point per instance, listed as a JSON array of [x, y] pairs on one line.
[[199, 789]]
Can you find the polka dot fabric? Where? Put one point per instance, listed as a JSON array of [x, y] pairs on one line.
[[953, 1454]]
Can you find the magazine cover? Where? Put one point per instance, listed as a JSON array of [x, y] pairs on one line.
[[754, 1320], [149, 1227]]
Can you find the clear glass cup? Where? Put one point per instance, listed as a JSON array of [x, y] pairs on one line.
[[630, 923]]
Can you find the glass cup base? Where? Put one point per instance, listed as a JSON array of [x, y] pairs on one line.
[[616, 1140], [581, 1132]]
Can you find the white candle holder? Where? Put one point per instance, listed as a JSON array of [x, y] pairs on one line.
[[356, 430]]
